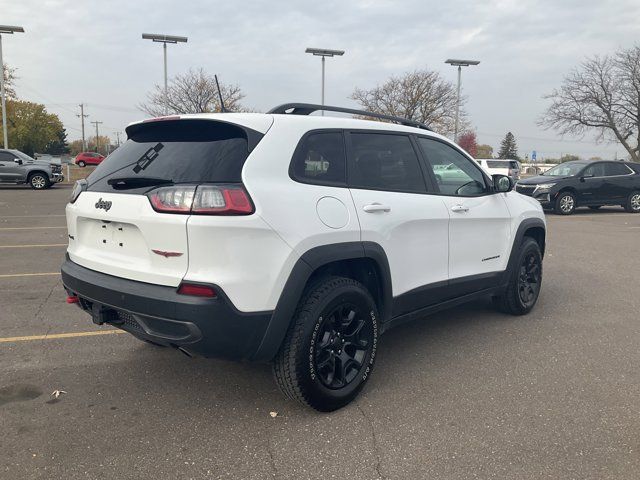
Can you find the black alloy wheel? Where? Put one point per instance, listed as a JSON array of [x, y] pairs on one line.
[[344, 337], [529, 279]]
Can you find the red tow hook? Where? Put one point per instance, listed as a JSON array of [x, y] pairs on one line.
[[72, 299]]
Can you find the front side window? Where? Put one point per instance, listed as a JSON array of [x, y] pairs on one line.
[[384, 162], [564, 170], [615, 169], [595, 170], [455, 174], [320, 159]]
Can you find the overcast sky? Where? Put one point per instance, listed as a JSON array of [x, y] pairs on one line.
[[91, 51]]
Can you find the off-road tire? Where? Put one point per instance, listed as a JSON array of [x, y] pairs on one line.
[[511, 301], [296, 369]]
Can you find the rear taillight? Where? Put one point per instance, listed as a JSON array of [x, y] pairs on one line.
[[202, 200], [79, 187], [172, 199], [196, 290]]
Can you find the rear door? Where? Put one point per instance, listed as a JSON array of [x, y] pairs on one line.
[[112, 226], [480, 235], [618, 181], [390, 195]]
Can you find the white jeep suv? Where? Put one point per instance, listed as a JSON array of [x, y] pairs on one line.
[[295, 239]]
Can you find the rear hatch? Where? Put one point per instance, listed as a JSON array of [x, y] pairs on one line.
[[113, 227]]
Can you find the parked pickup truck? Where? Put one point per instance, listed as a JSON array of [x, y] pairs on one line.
[[18, 167]]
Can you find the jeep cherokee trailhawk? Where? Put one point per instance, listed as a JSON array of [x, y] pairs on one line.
[[295, 239]]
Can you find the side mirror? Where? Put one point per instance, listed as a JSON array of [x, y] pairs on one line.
[[18, 161], [588, 175], [502, 183]]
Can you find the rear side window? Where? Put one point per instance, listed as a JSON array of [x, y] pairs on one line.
[[613, 169], [320, 159], [172, 152], [384, 162]]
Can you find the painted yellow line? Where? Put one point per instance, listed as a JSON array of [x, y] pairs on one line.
[[29, 228], [54, 336], [9, 275], [35, 246]]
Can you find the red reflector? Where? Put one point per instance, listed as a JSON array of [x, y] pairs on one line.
[[72, 299], [196, 290]]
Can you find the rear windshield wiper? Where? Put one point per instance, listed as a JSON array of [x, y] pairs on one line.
[[124, 183]]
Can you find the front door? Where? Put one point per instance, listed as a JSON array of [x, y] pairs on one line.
[[9, 170], [480, 236], [591, 189], [390, 195]]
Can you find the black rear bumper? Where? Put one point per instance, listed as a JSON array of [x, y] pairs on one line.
[[209, 327]]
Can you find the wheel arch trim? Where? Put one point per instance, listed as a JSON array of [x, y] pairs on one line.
[[302, 271]]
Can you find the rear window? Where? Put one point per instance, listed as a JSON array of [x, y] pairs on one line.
[[500, 164], [182, 151]]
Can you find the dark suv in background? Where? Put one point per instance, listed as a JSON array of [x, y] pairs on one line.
[[591, 184], [18, 167]]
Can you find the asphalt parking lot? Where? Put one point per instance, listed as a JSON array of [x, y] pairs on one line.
[[467, 393]]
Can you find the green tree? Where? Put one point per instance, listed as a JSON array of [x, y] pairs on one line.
[[59, 146], [484, 151], [509, 147], [30, 127]]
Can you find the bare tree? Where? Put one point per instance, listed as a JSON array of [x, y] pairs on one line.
[[603, 96], [193, 92], [9, 81], [422, 95]]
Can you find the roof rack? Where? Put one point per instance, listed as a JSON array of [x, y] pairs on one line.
[[309, 108]]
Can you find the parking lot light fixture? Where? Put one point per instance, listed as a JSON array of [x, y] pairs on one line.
[[459, 63], [164, 39], [7, 30], [323, 52]]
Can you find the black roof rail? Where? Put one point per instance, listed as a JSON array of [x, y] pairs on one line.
[[309, 108]]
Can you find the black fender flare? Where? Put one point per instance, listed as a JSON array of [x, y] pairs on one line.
[[306, 265], [524, 226]]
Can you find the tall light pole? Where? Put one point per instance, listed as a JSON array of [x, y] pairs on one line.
[[7, 29], [323, 52], [164, 39], [459, 64]]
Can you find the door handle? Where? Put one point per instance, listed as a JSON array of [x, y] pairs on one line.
[[459, 208], [376, 207]]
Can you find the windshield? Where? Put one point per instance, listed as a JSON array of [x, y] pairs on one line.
[[564, 170]]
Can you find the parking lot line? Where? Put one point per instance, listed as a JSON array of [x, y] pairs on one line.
[[35, 246], [8, 275], [28, 228], [31, 216], [58, 335]]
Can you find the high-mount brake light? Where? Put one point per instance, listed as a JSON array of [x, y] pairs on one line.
[[202, 200], [196, 290], [161, 119]]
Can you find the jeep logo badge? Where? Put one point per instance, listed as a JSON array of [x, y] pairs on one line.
[[103, 204]]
